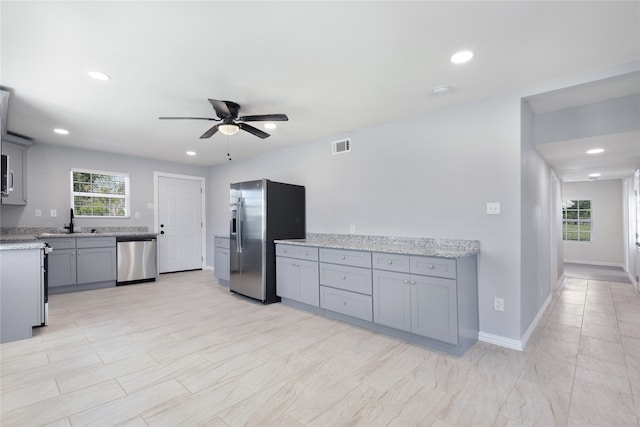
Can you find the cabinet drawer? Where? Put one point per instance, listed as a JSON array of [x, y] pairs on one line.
[[347, 303], [390, 262], [345, 257], [62, 243], [96, 242], [295, 251], [431, 266], [221, 242], [353, 279]]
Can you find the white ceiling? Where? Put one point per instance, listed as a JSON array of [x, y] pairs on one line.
[[332, 67]]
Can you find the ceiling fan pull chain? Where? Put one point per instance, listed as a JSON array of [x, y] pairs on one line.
[[229, 147]]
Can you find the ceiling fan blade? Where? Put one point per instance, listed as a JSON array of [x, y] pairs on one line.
[[265, 118], [188, 118], [210, 132], [225, 109], [253, 131]]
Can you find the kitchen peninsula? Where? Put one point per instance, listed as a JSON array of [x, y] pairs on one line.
[[422, 290]]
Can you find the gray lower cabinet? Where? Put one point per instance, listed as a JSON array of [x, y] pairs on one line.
[[82, 263], [297, 274], [221, 258], [427, 300], [21, 293], [345, 277], [422, 305], [62, 262]]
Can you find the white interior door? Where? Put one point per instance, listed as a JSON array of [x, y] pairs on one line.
[[179, 224]]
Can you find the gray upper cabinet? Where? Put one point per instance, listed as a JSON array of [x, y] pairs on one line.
[[17, 172]]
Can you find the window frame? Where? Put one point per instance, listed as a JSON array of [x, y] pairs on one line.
[[577, 220], [126, 197]]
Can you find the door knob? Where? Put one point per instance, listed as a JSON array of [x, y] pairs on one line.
[[162, 232], [161, 225]]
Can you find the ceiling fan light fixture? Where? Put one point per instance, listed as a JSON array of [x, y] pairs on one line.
[[595, 151], [229, 129], [462, 57], [270, 125]]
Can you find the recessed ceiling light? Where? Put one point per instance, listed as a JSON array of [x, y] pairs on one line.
[[462, 57], [98, 75], [270, 125], [191, 153], [61, 131], [594, 175], [595, 151]]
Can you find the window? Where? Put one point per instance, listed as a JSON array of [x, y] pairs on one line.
[[576, 220], [103, 194]]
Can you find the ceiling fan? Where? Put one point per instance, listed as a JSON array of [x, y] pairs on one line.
[[227, 113]]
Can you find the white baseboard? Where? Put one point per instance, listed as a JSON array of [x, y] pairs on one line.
[[500, 341], [208, 267], [522, 342], [525, 338], [603, 264]]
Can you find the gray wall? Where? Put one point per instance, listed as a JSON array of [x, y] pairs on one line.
[[536, 276], [49, 187], [427, 176], [607, 237], [595, 119]]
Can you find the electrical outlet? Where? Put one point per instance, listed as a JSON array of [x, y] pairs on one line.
[[38, 212], [53, 212], [498, 304], [493, 208], [352, 229]]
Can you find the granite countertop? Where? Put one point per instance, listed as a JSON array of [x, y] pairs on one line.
[[33, 234], [445, 248], [21, 245]]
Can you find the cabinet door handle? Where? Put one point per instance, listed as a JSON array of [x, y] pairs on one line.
[[344, 302], [406, 281], [431, 266], [343, 257], [306, 253], [389, 262], [344, 277], [413, 282]]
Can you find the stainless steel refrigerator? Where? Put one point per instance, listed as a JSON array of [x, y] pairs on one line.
[[262, 211]]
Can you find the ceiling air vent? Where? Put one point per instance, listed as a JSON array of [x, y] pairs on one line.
[[341, 146]]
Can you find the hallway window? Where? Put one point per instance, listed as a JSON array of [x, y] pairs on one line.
[[576, 220]]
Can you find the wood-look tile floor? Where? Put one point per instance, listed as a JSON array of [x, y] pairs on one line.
[[185, 351]]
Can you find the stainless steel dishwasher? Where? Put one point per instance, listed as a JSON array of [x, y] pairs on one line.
[[137, 260]]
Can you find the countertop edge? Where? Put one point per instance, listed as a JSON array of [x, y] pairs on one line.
[[435, 251]]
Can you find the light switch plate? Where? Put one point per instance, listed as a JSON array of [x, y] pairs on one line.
[[53, 212], [38, 212], [493, 208]]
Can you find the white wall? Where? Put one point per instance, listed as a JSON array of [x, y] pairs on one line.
[[49, 188], [427, 176], [607, 236]]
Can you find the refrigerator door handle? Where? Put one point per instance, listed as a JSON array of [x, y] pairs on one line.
[[239, 225]]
